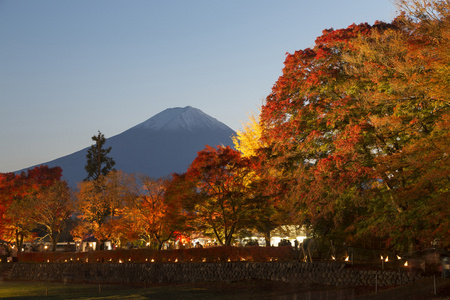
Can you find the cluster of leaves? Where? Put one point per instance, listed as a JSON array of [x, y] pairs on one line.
[[358, 126], [34, 200]]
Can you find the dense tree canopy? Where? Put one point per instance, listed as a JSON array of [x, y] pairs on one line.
[[33, 199], [220, 201], [359, 126], [153, 214], [100, 205]]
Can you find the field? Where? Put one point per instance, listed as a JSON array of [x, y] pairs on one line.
[[215, 291], [243, 290]]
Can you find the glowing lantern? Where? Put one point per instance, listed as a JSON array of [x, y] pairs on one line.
[[406, 263], [347, 258]]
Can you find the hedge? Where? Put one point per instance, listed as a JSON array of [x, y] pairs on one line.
[[214, 254]]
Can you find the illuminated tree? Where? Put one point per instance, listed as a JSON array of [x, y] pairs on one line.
[[248, 141], [220, 204], [152, 215], [100, 204], [358, 127], [51, 209], [270, 207], [18, 195], [403, 80], [315, 135]]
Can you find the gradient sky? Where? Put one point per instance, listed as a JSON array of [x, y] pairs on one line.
[[70, 68]]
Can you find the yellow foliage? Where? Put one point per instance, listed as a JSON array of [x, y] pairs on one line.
[[248, 141]]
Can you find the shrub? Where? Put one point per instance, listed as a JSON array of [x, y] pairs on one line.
[[215, 254]]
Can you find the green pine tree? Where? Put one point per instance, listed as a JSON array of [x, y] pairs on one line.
[[98, 163]]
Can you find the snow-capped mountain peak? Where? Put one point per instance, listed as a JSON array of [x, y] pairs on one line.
[[166, 143], [188, 117]]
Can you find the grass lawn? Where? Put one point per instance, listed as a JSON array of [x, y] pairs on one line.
[[43, 290], [217, 291]]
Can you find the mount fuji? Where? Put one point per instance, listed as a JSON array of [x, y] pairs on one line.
[[166, 143]]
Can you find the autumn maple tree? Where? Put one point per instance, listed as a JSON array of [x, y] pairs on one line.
[[22, 204], [314, 141], [52, 208], [153, 216], [100, 205], [358, 126], [219, 204], [402, 79], [265, 192]]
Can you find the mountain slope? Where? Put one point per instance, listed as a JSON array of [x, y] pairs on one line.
[[166, 143]]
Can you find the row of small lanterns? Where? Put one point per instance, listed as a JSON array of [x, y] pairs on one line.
[[383, 259], [152, 260]]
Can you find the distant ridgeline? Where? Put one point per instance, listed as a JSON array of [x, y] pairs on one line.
[[166, 143]]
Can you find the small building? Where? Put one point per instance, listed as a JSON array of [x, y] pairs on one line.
[[289, 233]]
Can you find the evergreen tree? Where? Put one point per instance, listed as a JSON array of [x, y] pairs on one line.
[[98, 163]]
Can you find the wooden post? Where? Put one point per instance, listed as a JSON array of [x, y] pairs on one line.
[[434, 284], [376, 283]]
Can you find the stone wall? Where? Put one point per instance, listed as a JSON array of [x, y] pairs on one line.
[[335, 274]]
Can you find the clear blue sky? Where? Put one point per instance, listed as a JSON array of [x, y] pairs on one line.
[[70, 68]]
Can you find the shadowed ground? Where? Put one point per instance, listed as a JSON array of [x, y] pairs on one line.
[[238, 290]]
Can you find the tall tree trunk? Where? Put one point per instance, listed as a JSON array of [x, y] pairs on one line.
[[19, 240], [230, 236], [217, 236], [54, 237], [267, 238]]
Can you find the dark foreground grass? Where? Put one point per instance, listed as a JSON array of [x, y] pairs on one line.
[[219, 291]]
